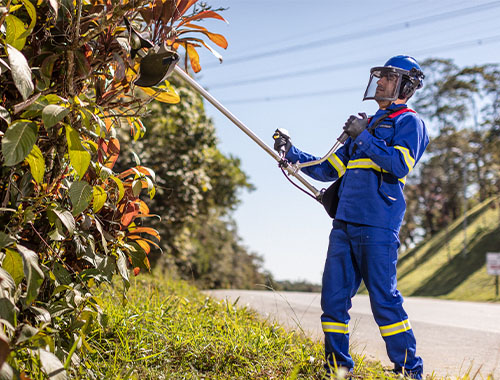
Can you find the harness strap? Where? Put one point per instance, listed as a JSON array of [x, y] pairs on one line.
[[400, 111]]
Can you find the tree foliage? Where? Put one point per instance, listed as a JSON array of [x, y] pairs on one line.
[[461, 165], [197, 187], [69, 218]]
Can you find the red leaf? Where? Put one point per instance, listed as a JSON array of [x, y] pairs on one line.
[[182, 7], [136, 271], [202, 15], [113, 150]]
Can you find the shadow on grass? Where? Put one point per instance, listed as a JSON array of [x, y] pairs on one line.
[[439, 243], [451, 275]]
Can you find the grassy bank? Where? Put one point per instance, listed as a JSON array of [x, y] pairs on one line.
[[170, 330], [440, 267]]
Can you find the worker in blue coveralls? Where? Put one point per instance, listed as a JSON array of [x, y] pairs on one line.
[[372, 166]]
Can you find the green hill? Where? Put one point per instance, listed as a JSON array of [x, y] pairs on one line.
[[439, 267]]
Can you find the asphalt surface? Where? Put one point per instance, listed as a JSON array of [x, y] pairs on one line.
[[453, 337]]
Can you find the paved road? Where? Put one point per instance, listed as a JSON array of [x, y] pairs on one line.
[[453, 337]]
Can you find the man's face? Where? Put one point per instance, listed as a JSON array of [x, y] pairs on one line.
[[386, 85]]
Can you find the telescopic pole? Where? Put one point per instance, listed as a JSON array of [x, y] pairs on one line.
[[198, 88]]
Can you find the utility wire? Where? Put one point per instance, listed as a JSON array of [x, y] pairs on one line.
[[349, 65], [363, 33], [293, 96], [350, 89]]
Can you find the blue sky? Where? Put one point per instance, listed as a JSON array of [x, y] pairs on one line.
[[303, 66]]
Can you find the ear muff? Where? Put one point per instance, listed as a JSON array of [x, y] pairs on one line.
[[407, 88]]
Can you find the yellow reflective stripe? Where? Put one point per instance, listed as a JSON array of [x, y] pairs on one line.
[[395, 328], [409, 160], [366, 163], [335, 327], [337, 164], [363, 163]]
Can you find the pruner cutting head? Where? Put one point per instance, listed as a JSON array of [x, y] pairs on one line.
[[137, 40], [157, 65]]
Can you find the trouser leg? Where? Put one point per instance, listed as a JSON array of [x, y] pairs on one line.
[[341, 280], [378, 258]]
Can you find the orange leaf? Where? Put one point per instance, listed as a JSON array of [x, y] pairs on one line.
[[130, 212], [143, 207], [152, 242], [202, 15], [218, 39], [194, 58], [147, 230], [145, 246], [214, 52], [135, 169], [136, 271], [134, 237], [194, 26]]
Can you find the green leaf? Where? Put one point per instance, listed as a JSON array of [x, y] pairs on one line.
[[32, 272], [121, 188], [66, 218], [18, 141], [51, 365], [100, 197], [121, 265], [103, 239], [14, 32], [136, 187], [4, 114], [6, 372], [13, 263], [5, 240], [37, 164], [80, 194], [30, 8], [79, 157], [21, 72], [7, 281], [53, 114]]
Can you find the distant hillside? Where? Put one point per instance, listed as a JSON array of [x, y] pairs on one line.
[[438, 267]]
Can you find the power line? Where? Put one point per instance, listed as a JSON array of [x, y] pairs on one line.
[[293, 96], [363, 33], [349, 65]]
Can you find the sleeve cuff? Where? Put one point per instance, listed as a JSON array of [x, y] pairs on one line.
[[363, 140], [293, 154]]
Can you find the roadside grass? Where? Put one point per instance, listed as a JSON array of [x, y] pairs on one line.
[[170, 330], [439, 267]]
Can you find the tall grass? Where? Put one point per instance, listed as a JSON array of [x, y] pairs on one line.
[[169, 330]]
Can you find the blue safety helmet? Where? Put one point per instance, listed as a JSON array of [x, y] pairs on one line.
[[402, 69]]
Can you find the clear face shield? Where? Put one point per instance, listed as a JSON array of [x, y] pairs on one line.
[[384, 84]]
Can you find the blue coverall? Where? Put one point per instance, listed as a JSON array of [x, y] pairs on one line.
[[364, 240]]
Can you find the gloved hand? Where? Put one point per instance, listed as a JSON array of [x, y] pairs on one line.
[[282, 141], [355, 125]]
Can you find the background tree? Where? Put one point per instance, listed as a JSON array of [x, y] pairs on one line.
[[460, 107], [197, 188]]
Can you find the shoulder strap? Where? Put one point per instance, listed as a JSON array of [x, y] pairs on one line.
[[399, 112], [391, 114]]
